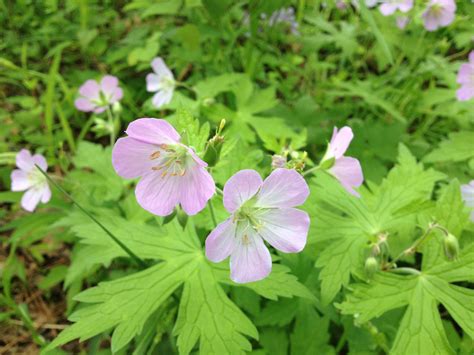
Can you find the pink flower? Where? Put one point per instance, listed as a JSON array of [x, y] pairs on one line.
[[161, 81], [28, 178], [96, 97], [466, 79], [171, 173], [438, 13], [402, 22], [261, 210], [389, 7], [467, 192], [346, 169]]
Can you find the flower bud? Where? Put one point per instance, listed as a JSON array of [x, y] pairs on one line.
[[278, 161], [214, 146], [116, 107], [371, 266], [451, 246]]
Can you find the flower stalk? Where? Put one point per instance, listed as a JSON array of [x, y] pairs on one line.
[[130, 253]]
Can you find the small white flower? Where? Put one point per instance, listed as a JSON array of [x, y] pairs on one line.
[[28, 178], [161, 81]]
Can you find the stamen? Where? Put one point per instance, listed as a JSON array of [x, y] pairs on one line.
[[245, 239], [155, 155]]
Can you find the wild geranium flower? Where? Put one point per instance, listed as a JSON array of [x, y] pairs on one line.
[[467, 192], [346, 169], [161, 81], [402, 22], [261, 210], [28, 178], [285, 15], [171, 173], [95, 97], [388, 7], [438, 13], [466, 79]]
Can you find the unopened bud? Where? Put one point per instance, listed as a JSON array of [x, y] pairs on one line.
[[451, 246], [213, 150], [278, 161], [116, 107], [371, 266], [209, 101]]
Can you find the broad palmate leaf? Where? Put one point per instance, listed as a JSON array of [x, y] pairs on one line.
[[421, 330]]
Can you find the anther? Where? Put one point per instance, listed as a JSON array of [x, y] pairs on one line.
[[155, 155]]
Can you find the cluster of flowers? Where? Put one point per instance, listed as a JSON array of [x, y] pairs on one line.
[[172, 174], [437, 13]]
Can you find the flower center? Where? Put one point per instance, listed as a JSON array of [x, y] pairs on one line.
[[167, 83], [247, 216], [171, 160], [436, 10], [36, 178]]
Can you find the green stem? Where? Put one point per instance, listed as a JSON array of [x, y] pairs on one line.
[[213, 214], [111, 120], [309, 171], [132, 255], [416, 244], [219, 191]]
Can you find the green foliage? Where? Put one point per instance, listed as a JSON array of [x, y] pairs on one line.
[[281, 89], [421, 328], [347, 224], [458, 147]]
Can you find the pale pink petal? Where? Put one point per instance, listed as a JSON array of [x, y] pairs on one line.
[[158, 194], [153, 82], [90, 89], [402, 22], [24, 160], [99, 109], [430, 22], [20, 181], [405, 6], [349, 173], [446, 17], [466, 92], [31, 198], [197, 187], [153, 131], [471, 57], [387, 9], [160, 68], [116, 96], [221, 242], [109, 84], [162, 98], [132, 158], [285, 229], [241, 187], [196, 158], [250, 261], [283, 188], [46, 193], [465, 74], [340, 141], [83, 104], [40, 160]]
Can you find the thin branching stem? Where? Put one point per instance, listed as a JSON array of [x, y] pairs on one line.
[[132, 255]]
